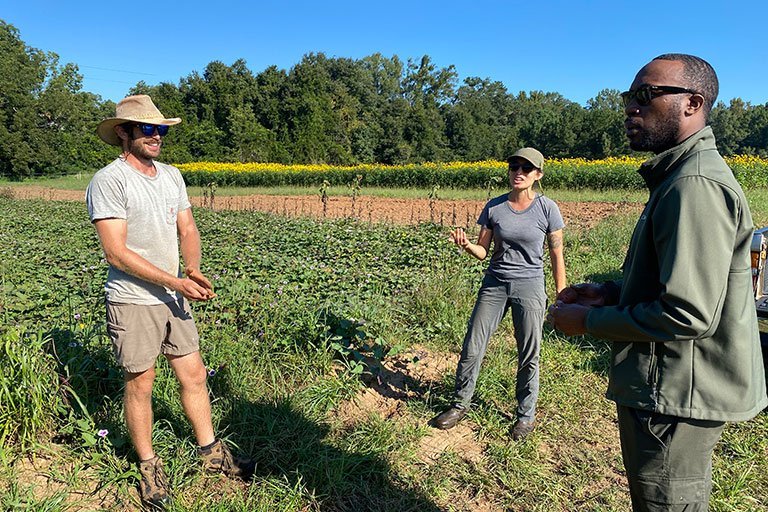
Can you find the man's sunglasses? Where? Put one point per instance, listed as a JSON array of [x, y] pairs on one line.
[[645, 93], [148, 130], [526, 168]]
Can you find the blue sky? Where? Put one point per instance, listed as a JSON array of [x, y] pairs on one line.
[[576, 48]]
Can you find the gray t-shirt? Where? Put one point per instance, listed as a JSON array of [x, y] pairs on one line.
[[518, 236], [150, 206]]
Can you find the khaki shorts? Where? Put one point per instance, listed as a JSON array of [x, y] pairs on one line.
[[139, 333]]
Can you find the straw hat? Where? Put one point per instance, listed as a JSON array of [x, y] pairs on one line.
[[137, 108]]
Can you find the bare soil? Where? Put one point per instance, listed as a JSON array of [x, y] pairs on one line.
[[407, 376], [365, 208], [48, 475]]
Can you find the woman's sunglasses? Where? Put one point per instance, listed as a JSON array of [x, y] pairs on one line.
[[526, 168], [148, 130], [645, 93]]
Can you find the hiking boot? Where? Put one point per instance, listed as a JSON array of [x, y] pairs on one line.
[[448, 418], [522, 428], [154, 484], [218, 459]]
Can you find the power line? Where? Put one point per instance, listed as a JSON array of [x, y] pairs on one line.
[[108, 80], [117, 70]]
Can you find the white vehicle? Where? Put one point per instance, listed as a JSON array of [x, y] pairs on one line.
[[760, 285], [759, 274]]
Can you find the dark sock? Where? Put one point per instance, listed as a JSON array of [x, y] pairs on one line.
[[208, 446]]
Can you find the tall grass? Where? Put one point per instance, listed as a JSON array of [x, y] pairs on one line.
[[30, 395]]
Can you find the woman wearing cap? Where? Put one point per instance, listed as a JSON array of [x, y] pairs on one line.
[[517, 223]]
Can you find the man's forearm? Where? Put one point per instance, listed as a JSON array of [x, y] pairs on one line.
[[132, 263], [191, 251]]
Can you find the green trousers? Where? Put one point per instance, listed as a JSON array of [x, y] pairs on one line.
[[668, 460]]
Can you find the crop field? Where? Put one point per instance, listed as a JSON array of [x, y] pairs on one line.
[[331, 344]]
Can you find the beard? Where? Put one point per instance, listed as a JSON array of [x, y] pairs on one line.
[[658, 140], [658, 136], [137, 148]]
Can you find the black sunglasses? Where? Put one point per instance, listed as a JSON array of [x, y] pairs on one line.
[[148, 130], [645, 93], [526, 168]]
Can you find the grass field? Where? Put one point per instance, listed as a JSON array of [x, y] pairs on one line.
[[328, 429]]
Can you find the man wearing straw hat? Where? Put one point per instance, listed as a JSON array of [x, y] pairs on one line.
[[142, 216]]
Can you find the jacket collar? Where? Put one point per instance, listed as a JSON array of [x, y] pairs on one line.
[[655, 170]]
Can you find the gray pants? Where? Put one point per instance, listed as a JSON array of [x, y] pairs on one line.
[[668, 460], [528, 300]]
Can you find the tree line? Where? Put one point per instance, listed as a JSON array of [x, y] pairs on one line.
[[375, 109]]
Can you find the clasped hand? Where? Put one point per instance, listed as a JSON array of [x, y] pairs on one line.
[[569, 312], [196, 286]]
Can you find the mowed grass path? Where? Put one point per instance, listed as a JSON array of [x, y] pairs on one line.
[[323, 439]]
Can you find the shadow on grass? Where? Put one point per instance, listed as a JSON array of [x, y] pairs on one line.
[[287, 444]]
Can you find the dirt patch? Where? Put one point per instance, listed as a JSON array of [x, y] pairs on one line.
[[403, 377], [418, 364], [46, 477], [408, 376], [404, 211], [51, 194], [459, 440], [365, 208]]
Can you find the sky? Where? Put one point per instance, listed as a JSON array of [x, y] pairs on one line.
[[575, 48]]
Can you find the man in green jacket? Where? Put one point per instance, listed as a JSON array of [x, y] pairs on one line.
[[686, 353]]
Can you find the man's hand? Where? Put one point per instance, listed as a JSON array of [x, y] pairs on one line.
[[584, 294], [198, 277], [570, 319], [196, 286]]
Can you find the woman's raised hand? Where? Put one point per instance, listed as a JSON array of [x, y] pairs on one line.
[[459, 237]]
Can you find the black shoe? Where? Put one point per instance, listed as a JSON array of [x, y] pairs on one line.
[[522, 428], [448, 418]]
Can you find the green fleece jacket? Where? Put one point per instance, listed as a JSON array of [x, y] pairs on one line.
[[686, 340]]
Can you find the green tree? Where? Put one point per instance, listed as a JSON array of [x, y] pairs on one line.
[[427, 88], [603, 128], [46, 121], [477, 120], [546, 121], [740, 128]]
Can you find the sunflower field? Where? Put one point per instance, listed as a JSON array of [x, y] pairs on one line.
[[570, 173]]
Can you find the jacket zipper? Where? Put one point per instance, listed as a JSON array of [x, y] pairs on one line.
[[653, 374]]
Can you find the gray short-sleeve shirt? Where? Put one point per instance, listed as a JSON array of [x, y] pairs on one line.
[[150, 206], [518, 236]]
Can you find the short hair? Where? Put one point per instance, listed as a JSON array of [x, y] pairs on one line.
[[698, 75]]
